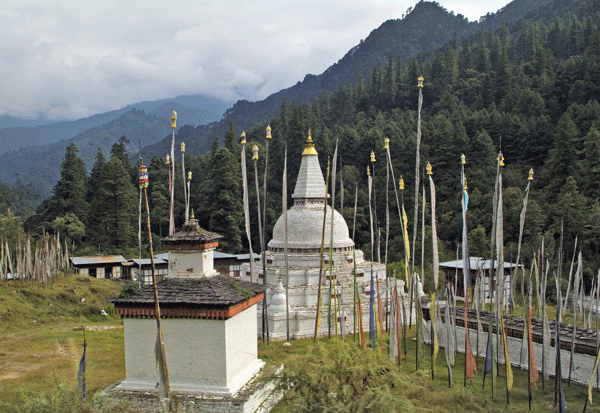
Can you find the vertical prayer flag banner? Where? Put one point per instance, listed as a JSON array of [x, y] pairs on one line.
[[470, 364], [434, 240], [509, 373], [533, 371], [592, 377], [81, 372], [363, 345], [372, 327], [406, 243], [435, 345], [247, 211]]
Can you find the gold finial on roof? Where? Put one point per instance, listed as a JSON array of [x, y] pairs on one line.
[[309, 148]]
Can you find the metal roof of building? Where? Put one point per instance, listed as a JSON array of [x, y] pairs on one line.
[[475, 263], [148, 261], [98, 260]]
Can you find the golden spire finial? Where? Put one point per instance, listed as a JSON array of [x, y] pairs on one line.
[[189, 175], [255, 153], [530, 175], [501, 159], [386, 143], [465, 182], [372, 156], [182, 147], [368, 171], [401, 183], [174, 120], [420, 81], [243, 135], [463, 160], [309, 148], [429, 169], [167, 159], [268, 131]]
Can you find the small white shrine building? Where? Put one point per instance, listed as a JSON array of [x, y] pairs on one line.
[[209, 323]]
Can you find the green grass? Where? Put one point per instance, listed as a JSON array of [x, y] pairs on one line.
[[41, 340]]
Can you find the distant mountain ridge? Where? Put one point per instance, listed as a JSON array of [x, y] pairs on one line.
[[425, 28], [198, 110], [41, 165]]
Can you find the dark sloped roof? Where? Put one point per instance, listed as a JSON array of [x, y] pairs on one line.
[[190, 233], [219, 291]]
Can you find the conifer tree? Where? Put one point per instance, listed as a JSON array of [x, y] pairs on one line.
[[112, 223], [226, 214], [69, 191]]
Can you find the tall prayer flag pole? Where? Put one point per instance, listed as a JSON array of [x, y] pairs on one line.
[[246, 206], [164, 390], [172, 175], [387, 231], [264, 231], [185, 189], [417, 172], [332, 279], [284, 196], [319, 291]]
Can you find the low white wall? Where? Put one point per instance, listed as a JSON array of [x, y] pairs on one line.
[[208, 356]]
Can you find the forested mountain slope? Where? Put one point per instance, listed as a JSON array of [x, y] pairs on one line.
[[424, 28]]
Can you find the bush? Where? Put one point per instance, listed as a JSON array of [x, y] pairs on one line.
[[66, 401], [130, 289], [339, 377]]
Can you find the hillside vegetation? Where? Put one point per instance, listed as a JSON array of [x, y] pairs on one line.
[[69, 299]]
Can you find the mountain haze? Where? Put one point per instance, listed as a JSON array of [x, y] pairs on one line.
[[197, 110]]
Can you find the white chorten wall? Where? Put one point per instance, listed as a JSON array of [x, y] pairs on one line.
[[214, 357]]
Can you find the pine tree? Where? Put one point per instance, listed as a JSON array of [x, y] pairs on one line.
[[95, 175], [231, 142], [112, 223], [69, 191], [226, 213]]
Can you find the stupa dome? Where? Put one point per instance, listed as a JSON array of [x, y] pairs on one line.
[[305, 218]]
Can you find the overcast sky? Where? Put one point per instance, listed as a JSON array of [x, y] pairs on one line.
[[71, 59]]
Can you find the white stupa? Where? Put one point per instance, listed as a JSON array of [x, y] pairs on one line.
[[305, 229]]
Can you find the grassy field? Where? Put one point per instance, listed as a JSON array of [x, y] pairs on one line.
[[41, 343], [41, 337]]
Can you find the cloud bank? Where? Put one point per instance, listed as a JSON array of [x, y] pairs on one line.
[[67, 59]]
